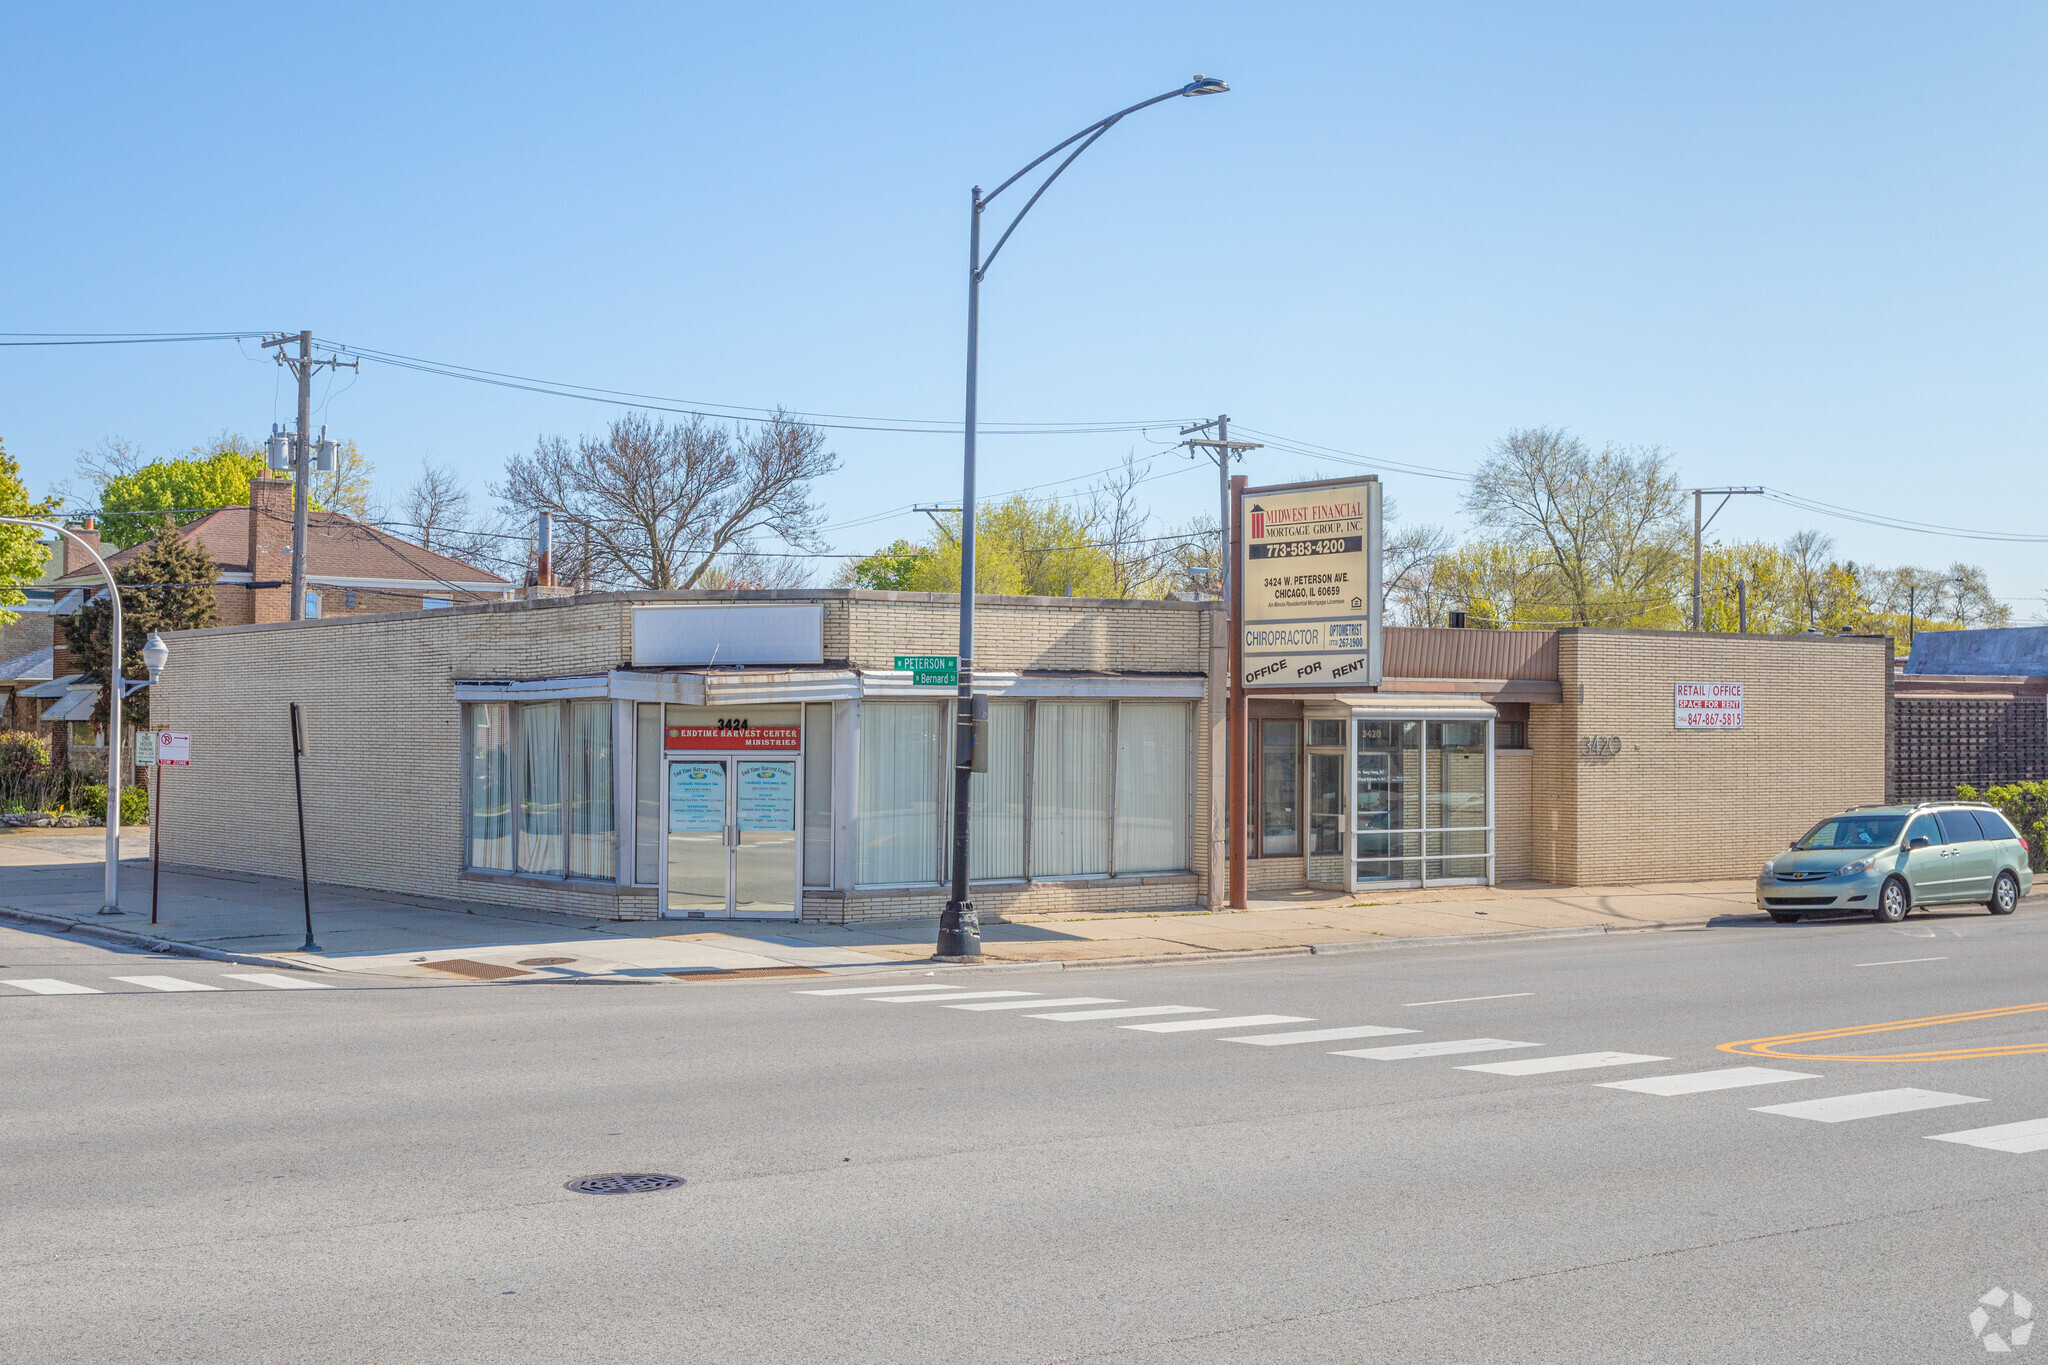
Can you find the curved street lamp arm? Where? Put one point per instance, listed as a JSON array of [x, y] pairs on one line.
[[1086, 137]]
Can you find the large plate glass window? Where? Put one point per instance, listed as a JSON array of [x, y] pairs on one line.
[[1070, 790], [490, 788], [538, 788], [900, 746], [1152, 785]]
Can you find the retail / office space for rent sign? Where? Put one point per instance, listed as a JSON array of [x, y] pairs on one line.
[[1310, 584], [1708, 706]]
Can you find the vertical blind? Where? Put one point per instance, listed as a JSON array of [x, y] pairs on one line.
[[899, 794], [490, 788], [540, 788], [648, 775], [1152, 785], [1070, 789], [996, 798]]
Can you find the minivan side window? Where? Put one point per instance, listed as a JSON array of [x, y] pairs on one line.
[[1994, 825], [1923, 828], [1958, 827]]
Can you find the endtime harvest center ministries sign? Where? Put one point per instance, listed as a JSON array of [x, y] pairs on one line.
[[1309, 578]]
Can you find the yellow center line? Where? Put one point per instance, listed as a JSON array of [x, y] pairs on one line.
[[1776, 1047]]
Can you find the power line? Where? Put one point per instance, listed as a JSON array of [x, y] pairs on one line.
[[116, 338]]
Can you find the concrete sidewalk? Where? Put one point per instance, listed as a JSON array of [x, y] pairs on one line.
[[53, 878]]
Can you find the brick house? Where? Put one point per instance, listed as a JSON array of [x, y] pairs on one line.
[[351, 569]]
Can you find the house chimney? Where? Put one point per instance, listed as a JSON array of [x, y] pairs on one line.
[[74, 558], [1457, 620], [270, 548]]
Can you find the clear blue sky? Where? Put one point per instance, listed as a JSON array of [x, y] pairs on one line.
[[1795, 245]]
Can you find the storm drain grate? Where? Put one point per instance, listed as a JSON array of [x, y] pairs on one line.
[[623, 1182], [475, 971], [545, 961]]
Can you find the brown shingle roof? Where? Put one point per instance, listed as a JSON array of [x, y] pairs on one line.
[[337, 546]]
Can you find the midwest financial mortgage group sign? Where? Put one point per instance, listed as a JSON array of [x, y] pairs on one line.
[[1311, 584]]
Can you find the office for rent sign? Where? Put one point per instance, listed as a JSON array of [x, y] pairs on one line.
[[1708, 706], [1310, 576]]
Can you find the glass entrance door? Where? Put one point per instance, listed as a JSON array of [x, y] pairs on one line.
[[731, 846], [1421, 802]]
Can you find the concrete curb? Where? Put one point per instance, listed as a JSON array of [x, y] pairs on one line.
[[128, 939]]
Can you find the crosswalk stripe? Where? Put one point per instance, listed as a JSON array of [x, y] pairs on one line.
[[964, 995], [896, 989], [43, 985], [279, 981], [166, 983], [1577, 1061], [1406, 1051], [1869, 1105], [1241, 1021], [1694, 1082], [1041, 1004], [2028, 1135], [1078, 1016], [1319, 1035]]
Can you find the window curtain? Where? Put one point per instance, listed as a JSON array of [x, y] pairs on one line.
[[490, 788], [899, 793], [995, 808], [818, 794], [1071, 789], [1152, 786], [649, 772], [540, 787], [592, 850]]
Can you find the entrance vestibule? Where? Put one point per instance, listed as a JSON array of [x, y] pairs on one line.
[[730, 838]]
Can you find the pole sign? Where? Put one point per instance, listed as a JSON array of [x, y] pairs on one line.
[[145, 748], [1707, 706], [1310, 584], [930, 670], [173, 750]]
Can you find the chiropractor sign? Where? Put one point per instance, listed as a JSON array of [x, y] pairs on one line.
[[1310, 575]]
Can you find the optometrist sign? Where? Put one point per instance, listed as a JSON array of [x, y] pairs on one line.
[[1310, 584]]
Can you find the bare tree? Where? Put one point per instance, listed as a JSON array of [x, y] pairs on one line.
[[1809, 555], [1408, 559], [111, 459], [1121, 527], [1606, 525], [655, 505], [436, 506]]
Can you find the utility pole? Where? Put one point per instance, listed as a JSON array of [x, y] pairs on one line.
[[1699, 529], [302, 367], [1222, 450]]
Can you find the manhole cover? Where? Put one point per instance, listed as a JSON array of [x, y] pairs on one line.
[[623, 1182], [545, 961]]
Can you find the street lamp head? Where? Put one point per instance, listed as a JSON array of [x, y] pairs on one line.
[[1205, 85], [155, 653]]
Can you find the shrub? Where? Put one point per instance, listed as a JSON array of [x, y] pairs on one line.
[[90, 801], [2026, 805], [134, 806], [22, 756]]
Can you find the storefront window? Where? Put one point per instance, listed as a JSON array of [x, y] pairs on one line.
[[1389, 800], [540, 788], [1279, 788], [490, 788], [1152, 785], [592, 848], [1070, 789], [818, 794], [1457, 799], [647, 779], [996, 816], [899, 793], [1421, 800]]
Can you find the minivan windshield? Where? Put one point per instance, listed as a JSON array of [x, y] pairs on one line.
[[1854, 831]]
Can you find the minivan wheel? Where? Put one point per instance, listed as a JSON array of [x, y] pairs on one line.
[[2005, 895], [1892, 903]]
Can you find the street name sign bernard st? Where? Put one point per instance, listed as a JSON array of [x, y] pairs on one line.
[[1310, 575]]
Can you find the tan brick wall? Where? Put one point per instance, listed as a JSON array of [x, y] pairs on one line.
[[1676, 805], [1513, 772]]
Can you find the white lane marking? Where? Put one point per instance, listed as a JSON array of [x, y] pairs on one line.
[[43, 985], [1319, 1035], [1693, 1082], [1468, 999], [279, 981], [1405, 1051], [964, 995], [1868, 1105], [1078, 1016], [1901, 961], [2028, 1135], [1042, 1004], [1577, 1061], [1240, 1021], [896, 989], [166, 983]]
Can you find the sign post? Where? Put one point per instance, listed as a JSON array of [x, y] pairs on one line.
[[299, 787], [163, 749]]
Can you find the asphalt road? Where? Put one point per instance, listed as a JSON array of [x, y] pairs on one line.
[[375, 1172]]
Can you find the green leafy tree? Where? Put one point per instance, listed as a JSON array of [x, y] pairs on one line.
[[889, 569], [133, 504], [1022, 548], [22, 552], [174, 591]]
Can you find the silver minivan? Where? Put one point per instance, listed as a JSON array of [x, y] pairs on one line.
[[1887, 860]]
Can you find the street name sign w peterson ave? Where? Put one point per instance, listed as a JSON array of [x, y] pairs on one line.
[[1310, 576]]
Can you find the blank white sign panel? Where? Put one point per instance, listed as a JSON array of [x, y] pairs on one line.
[[740, 633]]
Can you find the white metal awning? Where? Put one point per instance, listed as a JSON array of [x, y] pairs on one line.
[[56, 687], [77, 706], [1419, 706]]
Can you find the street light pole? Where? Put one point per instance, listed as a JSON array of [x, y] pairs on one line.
[[111, 895], [959, 935]]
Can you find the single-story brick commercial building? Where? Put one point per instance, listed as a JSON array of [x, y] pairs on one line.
[[759, 755]]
